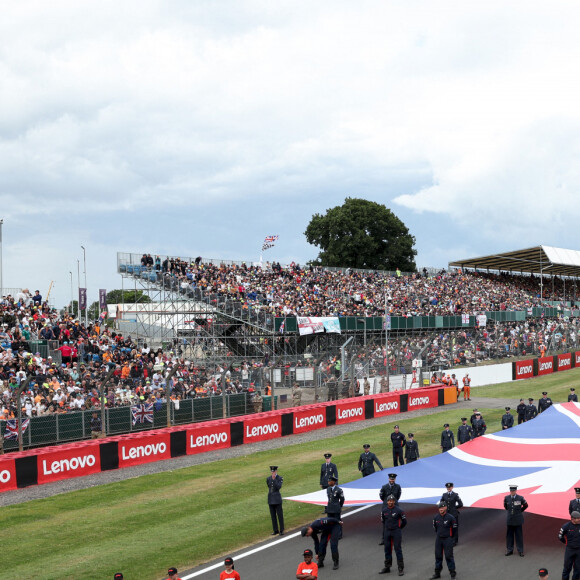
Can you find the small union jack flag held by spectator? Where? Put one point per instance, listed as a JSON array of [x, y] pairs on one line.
[[142, 413], [12, 428], [269, 242]]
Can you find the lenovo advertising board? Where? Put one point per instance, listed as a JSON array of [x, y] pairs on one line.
[[68, 463], [350, 412], [7, 475], [309, 419], [422, 400], [201, 439], [386, 405], [545, 365], [263, 428], [564, 362], [524, 369], [139, 450]]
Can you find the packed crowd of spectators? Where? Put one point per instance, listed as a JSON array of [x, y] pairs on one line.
[[314, 291], [69, 378]]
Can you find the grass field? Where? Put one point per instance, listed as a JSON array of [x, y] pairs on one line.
[[192, 515]]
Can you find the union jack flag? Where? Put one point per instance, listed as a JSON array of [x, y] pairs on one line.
[[540, 456], [269, 242], [12, 428], [142, 413]]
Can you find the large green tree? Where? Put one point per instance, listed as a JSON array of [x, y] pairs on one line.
[[127, 296], [362, 234]]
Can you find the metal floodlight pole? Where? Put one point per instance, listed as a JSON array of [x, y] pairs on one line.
[[18, 393], [79, 290], [102, 398], [71, 291], [86, 289], [168, 377]]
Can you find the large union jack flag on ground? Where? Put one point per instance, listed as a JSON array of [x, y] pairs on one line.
[[541, 457], [142, 413], [12, 428]]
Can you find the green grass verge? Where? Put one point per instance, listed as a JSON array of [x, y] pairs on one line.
[[193, 515]]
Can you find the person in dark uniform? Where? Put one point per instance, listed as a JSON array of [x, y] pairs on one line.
[[398, 441], [445, 528], [570, 535], [274, 483], [531, 410], [394, 520], [521, 410], [464, 432], [454, 504], [479, 426], [507, 419], [390, 488], [328, 528], [326, 470], [472, 418], [575, 503], [447, 439], [411, 449], [335, 497], [366, 460], [515, 505], [572, 397], [544, 403]]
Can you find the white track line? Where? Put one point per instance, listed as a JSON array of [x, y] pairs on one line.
[[264, 547]]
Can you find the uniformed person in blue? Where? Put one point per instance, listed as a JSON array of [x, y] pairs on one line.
[[454, 504], [575, 503], [464, 432], [390, 488], [531, 410], [335, 497], [447, 439], [507, 419], [398, 441], [411, 449], [544, 403], [521, 410], [366, 460], [394, 520], [479, 426], [328, 528], [572, 397], [326, 470], [472, 418], [445, 527], [274, 483], [515, 505], [570, 535]]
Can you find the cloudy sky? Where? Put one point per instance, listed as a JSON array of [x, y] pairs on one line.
[[198, 127]]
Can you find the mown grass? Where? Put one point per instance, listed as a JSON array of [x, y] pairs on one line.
[[188, 516]]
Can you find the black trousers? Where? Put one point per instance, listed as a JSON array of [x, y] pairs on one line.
[[517, 533], [444, 546], [571, 558], [277, 516], [398, 455], [392, 539]]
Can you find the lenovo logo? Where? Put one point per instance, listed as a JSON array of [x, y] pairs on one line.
[[348, 413], [419, 401], [212, 439], [262, 430], [524, 370], [546, 365], [308, 421], [62, 465], [382, 407], [564, 362], [143, 450]]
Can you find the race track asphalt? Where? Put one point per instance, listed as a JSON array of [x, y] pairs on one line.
[[480, 553]]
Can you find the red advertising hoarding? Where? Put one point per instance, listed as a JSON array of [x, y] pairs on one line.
[[309, 419], [201, 439], [564, 362], [7, 475], [423, 399], [350, 412], [69, 462], [263, 428], [139, 450], [545, 365], [386, 405], [524, 369]]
